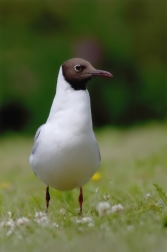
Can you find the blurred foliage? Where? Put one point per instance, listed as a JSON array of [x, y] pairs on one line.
[[127, 38]]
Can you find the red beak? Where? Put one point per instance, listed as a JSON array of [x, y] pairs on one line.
[[101, 73]]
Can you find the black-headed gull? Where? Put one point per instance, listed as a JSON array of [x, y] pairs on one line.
[[65, 154]]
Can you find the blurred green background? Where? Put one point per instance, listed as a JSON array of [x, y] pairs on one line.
[[127, 38]]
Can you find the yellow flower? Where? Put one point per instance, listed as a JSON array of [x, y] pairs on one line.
[[96, 176], [4, 185]]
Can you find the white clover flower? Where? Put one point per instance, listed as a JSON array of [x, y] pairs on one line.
[[85, 220], [41, 218], [104, 208], [8, 223], [12, 224], [22, 221], [117, 208]]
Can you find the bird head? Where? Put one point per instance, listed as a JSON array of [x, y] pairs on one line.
[[77, 72]]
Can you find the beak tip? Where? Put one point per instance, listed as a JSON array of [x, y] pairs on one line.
[[111, 76]]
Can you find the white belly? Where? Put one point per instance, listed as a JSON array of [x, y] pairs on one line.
[[65, 162]]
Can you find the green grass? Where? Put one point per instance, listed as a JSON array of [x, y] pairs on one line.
[[132, 161]]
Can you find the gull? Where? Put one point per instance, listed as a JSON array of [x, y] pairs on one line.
[[65, 154]]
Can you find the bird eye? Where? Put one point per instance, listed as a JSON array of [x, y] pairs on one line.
[[78, 68]]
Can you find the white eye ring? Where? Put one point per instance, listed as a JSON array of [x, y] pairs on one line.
[[77, 68]]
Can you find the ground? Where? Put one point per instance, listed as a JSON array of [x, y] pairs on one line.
[[132, 161]]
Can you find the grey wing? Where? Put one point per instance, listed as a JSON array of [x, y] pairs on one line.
[[99, 152], [36, 141], [98, 148], [38, 132]]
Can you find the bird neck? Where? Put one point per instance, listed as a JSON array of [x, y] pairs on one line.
[[71, 105]]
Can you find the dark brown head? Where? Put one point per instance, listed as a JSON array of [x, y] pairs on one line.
[[77, 72]]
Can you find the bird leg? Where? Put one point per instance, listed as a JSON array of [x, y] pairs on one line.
[[80, 199], [47, 198]]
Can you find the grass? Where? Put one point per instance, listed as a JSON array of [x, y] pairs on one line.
[[132, 161]]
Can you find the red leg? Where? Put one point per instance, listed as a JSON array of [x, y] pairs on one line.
[[47, 198], [80, 199]]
